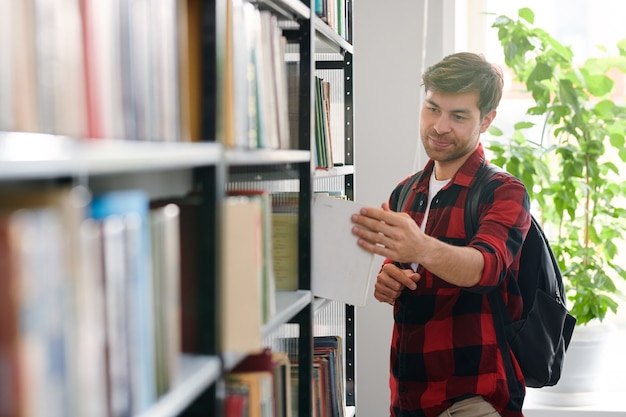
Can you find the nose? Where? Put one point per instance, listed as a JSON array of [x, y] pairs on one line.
[[441, 126]]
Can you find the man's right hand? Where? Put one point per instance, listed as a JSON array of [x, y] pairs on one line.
[[392, 280]]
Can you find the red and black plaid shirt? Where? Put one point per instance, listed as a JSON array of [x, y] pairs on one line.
[[444, 345]]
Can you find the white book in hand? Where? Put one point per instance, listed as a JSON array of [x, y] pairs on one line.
[[341, 269]]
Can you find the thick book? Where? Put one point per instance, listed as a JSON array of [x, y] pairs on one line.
[[41, 271], [341, 269], [268, 280], [240, 295], [32, 329]]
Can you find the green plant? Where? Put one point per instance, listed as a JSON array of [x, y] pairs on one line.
[[570, 171]]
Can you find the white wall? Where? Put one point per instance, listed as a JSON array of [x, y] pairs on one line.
[[388, 57]]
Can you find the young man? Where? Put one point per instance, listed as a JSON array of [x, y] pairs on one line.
[[445, 359]]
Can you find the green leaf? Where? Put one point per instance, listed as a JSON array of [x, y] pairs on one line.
[[568, 94], [527, 14], [604, 64], [604, 109], [599, 85], [542, 71], [502, 21], [523, 125], [494, 131]]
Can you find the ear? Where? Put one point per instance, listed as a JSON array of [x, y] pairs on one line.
[[486, 122]]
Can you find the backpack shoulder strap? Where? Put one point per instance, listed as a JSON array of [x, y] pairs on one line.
[[498, 309], [474, 196], [406, 189]]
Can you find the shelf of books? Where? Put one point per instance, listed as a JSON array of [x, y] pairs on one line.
[[156, 207]]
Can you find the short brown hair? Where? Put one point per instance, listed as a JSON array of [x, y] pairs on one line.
[[465, 72]]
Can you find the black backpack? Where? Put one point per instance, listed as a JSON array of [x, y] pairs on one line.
[[540, 338]]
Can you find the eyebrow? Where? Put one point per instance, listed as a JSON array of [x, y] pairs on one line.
[[456, 111]]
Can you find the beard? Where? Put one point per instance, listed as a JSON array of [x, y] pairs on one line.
[[445, 148]]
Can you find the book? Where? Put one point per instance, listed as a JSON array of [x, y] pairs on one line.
[[90, 342], [7, 45], [341, 270], [236, 399], [255, 372], [33, 345], [45, 224], [327, 125], [118, 316], [293, 102], [242, 273], [165, 43], [259, 388], [24, 74], [320, 150], [268, 280], [267, 81], [285, 250], [165, 233], [102, 24], [189, 68], [281, 368], [11, 379], [285, 239], [60, 64]]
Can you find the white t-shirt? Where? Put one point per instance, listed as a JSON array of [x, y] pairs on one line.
[[434, 186]]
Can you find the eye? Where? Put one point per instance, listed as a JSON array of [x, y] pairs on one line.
[[458, 117]]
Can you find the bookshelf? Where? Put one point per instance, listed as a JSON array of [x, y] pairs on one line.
[[159, 113]]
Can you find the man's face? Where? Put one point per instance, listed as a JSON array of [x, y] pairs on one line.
[[451, 125]]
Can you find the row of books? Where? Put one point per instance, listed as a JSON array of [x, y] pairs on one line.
[[89, 300], [334, 13], [323, 151], [265, 383], [335, 106], [93, 69], [255, 107]]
